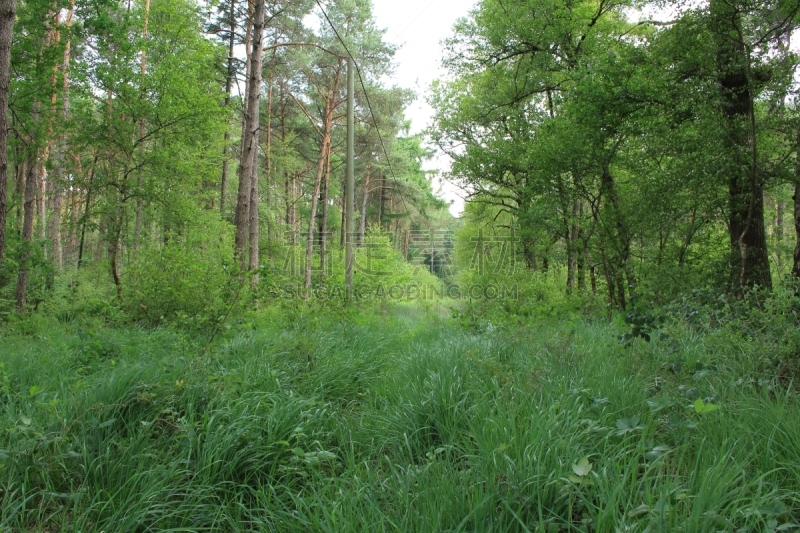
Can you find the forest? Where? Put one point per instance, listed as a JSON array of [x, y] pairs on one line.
[[234, 298]]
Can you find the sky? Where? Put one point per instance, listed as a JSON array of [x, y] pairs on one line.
[[419, 27]]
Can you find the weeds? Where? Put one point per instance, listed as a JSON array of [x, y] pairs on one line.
[[397, 421]]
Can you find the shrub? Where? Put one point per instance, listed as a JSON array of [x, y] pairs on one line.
[[192, 280]]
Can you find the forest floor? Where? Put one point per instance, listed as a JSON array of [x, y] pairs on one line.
[[400, 419]]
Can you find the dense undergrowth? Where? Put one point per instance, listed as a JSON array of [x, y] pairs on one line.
[[398, 418]]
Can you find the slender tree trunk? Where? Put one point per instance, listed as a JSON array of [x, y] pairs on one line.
[[323, 219], [583, 253], [343, 224], [137, 229], [59, 152], [228, 88], [362, 223], [572, 246], [382, 206], [268, 154], [295, 219], [313, 215], [115, 250], [323, 225], [41, 196], [622, 237], [796, 198], [529, 253], [19, 187], [7, 19], [250, 135], [254, 224], [31, 182], [86, 207]]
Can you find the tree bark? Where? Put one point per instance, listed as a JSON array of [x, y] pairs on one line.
[[7, 19], [137, 230], [796, 198], [254, 224], [250, 129], [313, 215], [59, 153], [382, 206], [362, 223], [572, 246], [228, 88], [323, 219], [623, 263], [749, 260], [31, 182], [86, 207]]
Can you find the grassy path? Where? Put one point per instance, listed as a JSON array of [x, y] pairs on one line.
[[397, 421]]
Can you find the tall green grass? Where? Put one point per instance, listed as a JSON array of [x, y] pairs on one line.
[[394, 421]]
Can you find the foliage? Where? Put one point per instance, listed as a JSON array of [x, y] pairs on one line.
[[191, 280], [393, 418]]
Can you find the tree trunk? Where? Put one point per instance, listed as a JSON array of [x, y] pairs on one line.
[[41, 196], [31, 182], [115, 251], [623, 239], [362, 224], [382, 206], [749, 259], [247, 174], [59, 154], [323, 219], [313, 215], [572, 246], [228, 88], [254, 225], [85, 217], [137, 229], [796, 198], [343, 225], [7, 18], [268, 156], [21, 171]]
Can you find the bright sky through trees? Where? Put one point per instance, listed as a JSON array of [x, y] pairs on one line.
[[419, 26]]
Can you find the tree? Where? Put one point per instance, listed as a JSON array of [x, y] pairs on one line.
[[7, 19]]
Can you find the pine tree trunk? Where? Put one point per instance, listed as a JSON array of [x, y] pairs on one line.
[[21, 171], [228, 88], [247, 174], [31, 182], [313, 215], [7, 19], [254, 225], [362, 223], [59, 154], [323, 219]]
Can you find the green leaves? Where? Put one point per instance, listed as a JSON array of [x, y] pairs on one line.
[[628, 425], [658, 403], [581, 469], [702, 408]]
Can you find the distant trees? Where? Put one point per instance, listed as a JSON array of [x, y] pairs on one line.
[[137, 129], [628, 147]]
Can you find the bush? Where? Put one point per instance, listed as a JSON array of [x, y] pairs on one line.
[[191, 281]]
